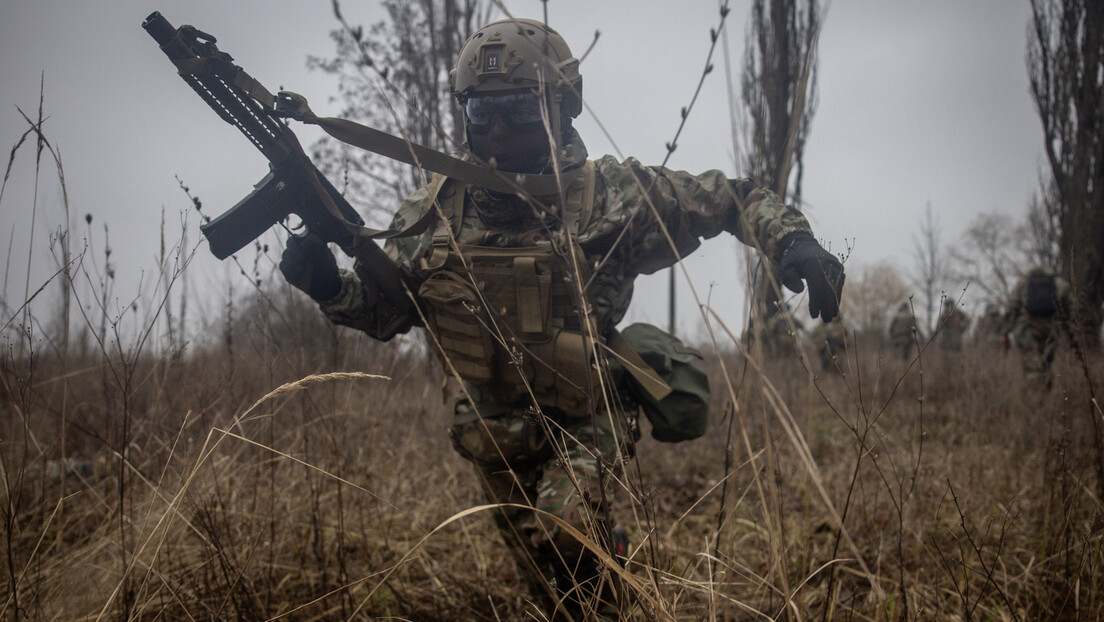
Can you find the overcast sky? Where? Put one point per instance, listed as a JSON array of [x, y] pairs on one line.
[[920, 102]]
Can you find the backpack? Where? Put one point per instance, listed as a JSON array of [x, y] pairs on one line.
[[1041, 295], [681, 414]]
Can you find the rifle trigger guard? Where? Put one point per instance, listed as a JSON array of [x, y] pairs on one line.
[[292, 105]]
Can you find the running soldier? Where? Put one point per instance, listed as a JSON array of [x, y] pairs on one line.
[[521, 294]]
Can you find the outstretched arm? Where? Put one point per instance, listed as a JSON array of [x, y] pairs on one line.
[[693, 207]]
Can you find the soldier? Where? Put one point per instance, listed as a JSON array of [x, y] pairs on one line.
[[952, 326], [1038, 310], [518, 292], [901, 329]]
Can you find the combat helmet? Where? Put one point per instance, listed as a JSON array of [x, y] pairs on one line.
[[512, 54]]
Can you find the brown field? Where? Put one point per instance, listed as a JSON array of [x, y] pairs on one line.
[[290, 470]]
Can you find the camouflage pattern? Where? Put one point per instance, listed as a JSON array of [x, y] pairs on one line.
[[692, 207], [953, 324], [538, 456], [548, 462], [1037, 337], [901, 329]]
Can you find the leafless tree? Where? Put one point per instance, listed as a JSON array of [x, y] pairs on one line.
[[991, 254], [779, 99], [873, 292], [1041, 229], [931, 273], [1065, 59], [395, 76]]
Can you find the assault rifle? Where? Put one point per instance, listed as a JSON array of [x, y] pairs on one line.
[[293, 185]]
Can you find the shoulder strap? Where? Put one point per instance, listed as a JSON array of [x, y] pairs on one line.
[[579, 200], [449, 195], [634, 363]]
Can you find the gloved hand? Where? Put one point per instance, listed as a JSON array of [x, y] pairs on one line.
[[804, 259], [308, 264]]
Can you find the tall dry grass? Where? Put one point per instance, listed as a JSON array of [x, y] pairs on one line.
[[280, 468], [268, 482]]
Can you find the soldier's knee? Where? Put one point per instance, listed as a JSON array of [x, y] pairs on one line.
[[570, 498], [497, 440]]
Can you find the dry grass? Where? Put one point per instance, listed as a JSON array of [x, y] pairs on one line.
[[868, 495], [292, 470]]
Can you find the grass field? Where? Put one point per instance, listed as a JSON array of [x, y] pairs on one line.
[[292, 470], [272, 466]]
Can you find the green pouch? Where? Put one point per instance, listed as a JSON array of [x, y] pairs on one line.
[[683, 414]]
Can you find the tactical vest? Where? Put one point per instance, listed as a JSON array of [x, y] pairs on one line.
[[508, 318]]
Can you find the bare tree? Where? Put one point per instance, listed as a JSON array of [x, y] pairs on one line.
[[990, 255], [1065, 59], [931, 274], [779, 98], [1041, 229], [872, 294], [395, 76]]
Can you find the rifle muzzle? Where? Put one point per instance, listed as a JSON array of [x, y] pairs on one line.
[[159, 28]]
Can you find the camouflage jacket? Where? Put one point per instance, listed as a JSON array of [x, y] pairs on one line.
[[622, 236], [900, 327]]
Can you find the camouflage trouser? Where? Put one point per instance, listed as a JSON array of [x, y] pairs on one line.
[[1036, 340], [550, 463]]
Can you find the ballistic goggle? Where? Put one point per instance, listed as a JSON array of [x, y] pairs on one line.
[[520, 111]]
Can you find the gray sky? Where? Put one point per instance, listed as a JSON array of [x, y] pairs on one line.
[[920, 101]]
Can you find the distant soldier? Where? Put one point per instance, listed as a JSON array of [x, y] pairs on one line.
[[952, 326], [830, 340], [1039, 307], [901, 329]]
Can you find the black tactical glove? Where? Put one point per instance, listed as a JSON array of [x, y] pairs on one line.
[[308, 264], [804, 259]]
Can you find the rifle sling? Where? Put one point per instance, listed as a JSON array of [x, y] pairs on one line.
[[238, 78], [407, 152], [382, 143]]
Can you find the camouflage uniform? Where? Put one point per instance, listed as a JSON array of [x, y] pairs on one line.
[[1037, 337], [543, 457], [901, 331], [952, 326]]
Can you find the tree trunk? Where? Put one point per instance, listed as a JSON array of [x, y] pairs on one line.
[[1066, 66]]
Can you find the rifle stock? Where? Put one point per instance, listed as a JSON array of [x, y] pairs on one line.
[[293, 185]]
